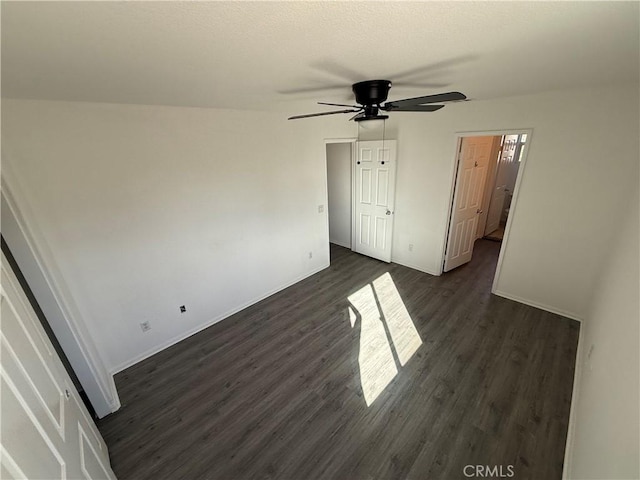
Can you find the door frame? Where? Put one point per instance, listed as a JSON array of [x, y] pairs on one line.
[[353, 141], [459, 136], [42, 276]]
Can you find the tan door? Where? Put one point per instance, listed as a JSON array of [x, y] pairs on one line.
[[473, 163], [488, 185]]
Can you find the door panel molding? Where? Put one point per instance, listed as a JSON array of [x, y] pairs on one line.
[[57, 423], [40, 408], [41, 431]]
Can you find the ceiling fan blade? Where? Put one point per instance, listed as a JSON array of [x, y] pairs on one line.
[[357, 115], [295, 117], [338, 105], [415, 108], [337, 70], [313, 89], [437, 98], [433, 67], [397, 85]]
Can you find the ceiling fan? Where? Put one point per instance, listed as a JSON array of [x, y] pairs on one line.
[[371, 95]]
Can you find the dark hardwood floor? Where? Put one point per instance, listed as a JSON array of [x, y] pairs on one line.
[[279, 390]]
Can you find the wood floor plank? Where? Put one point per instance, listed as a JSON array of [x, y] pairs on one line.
[[281, 389]]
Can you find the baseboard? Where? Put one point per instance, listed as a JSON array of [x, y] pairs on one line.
[[577, 376], [115, 399], [113, 403], [415, 267], [541, 306], [340, 244], [144, 355]]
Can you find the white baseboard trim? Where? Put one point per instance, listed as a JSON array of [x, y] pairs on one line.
[[340, 244], [577, 375], [415, 267], [541, 306], [152, 351], [114, 404]]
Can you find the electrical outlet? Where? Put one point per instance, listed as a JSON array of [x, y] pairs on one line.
[[320, 208], [145, 326], [310, 255], [183, 309], [411, 247]]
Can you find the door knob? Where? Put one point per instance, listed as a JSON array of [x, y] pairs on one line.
[[479, 211], [388, 212]]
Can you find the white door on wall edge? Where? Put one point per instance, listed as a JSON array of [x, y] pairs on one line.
[[46, 431], [374, 187], [473, 163]]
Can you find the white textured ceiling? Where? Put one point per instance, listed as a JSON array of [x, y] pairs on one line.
[[265, 55]]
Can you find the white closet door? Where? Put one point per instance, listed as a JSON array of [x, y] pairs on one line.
[[46, 431], [375, 182]]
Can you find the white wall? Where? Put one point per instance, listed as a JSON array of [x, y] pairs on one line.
[[149, 208], [605, 428], [583, 146], [339, 193]]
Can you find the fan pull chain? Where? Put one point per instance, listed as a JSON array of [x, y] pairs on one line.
[[384, 127], [358, 142]]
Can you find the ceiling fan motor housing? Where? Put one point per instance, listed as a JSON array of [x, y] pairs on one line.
[[371, 92], [371, 96]]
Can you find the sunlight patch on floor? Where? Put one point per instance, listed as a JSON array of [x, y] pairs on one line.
[[404, 335], [388, 337], [377, 367]]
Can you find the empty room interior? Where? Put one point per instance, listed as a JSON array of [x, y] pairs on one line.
[[320, 240]]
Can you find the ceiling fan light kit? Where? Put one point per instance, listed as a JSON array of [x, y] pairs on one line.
[[371, 96]]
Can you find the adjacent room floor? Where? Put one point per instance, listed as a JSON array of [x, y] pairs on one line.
[[365, 370]]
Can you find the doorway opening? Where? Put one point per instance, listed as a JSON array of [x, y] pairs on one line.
[[489, 168], [500, 189], [339, 199]]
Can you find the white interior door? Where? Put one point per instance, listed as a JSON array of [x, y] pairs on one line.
[[473, 163], [46, 431], [375, 180]]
